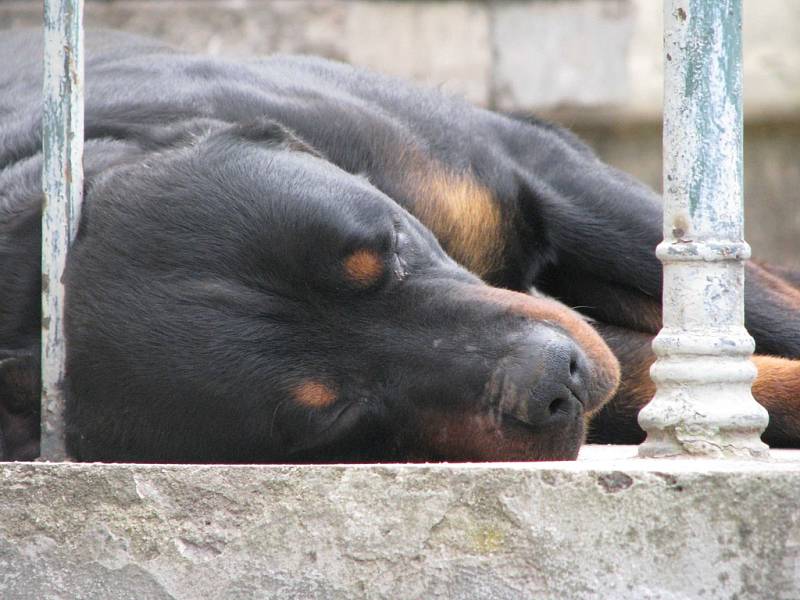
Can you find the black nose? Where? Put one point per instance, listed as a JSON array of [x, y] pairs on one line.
[[545, 380]]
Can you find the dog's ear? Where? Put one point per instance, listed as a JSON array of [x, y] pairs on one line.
[[111, 145], [153, 136], [124, 147], [177, 133], [268, 131]]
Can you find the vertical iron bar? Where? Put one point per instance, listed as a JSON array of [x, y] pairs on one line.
[[62, 182], [703, 404]]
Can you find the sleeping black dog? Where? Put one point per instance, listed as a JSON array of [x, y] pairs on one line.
[[292, 260]]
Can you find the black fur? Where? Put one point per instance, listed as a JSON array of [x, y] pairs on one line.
[[206, 282]]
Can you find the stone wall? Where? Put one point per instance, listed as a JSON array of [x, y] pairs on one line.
[[594, 65]]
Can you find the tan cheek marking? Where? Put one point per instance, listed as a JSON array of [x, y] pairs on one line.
[[546, 309], [313, 394], [363, 267], [463, 215]]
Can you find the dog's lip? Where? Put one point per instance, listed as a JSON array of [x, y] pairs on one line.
[[510, 419]]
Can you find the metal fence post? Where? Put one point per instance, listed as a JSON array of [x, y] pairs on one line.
[[703, 404], [62, 182]]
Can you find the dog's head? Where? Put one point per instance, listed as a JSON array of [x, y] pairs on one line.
[[236, 297]]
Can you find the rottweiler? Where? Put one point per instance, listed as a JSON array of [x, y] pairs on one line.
[[294, 260]]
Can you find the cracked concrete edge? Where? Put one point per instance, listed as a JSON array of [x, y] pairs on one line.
[[600, 527]]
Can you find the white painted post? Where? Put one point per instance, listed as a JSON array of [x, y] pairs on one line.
[[703, 404], [62, 182]]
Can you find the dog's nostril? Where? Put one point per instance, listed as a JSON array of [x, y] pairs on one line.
[[547, 382], [558, 405]]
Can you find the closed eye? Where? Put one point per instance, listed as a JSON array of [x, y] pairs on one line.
[[399, 266]]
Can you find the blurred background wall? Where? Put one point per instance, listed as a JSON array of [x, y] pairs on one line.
[[593, 65]]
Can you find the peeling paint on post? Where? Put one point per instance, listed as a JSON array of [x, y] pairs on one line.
[[703, 404], [62, 182]]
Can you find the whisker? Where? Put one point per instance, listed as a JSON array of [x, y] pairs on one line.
[[274, 417]]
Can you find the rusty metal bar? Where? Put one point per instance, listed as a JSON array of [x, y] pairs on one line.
[[703, 404], [62, 182]]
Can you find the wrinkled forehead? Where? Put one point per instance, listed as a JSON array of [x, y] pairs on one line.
[[253, 208]]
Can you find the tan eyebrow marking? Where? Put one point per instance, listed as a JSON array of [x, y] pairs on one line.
[[364, 267], [314, 394]]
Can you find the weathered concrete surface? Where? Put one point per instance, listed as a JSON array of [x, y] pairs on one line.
[[554, 53], [446, 44], [599, 528], [514, 54], [567, 55], [439, 43]]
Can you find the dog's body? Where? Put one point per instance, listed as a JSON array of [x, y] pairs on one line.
[[259, 274]]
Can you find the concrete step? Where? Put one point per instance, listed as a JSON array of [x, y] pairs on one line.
[[607, 526]]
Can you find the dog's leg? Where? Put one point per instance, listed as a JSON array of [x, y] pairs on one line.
[[629, 318], [616, 422], [772, 312], [19, 406], [599, 229], [777, 388], [615, 278], [788, 275], [602, 300]]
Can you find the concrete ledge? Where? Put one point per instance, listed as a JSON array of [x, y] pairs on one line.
[[602, 527]]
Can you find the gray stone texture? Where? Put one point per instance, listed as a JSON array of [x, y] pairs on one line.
[[600, 528], [446, 44], [549, 54], [510, 54], [591, 64]]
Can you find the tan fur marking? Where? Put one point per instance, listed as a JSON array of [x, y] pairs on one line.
[[548, 310], [636, 388], [313, 394], [640, 385], [364, 267], [777, 388], [473, 437], [777, 286], [464, 216], [788, 275], [634, 351]]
